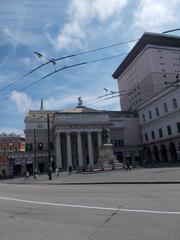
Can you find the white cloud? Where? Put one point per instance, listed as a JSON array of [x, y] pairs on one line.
[[26, 61], [12, 130], [22, 100], [81, 16], [25, 103], [153, 15]]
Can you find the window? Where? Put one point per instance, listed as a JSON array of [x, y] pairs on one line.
[[51, 146], [152, 134], [160, 132], [146, 136], [150, 115], [165, 107], [157, 111], [144, 117], [169, 130], [174, 101], [178, 127], [120, 142], [29, 146]]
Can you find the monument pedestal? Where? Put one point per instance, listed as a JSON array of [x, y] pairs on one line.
[[107, 159]]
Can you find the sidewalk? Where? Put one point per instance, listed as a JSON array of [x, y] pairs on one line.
[[135, 176]]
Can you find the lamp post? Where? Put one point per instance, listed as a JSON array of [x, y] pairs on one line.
[[49, 150], [35, 156]]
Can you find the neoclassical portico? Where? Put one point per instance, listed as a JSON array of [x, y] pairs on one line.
[[78, 136], [87, 142]]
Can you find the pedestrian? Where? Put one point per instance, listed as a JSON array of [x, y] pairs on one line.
[[50, 173], [57, 172], [35, 173], [70, 170], [27, 176], [128, 166]]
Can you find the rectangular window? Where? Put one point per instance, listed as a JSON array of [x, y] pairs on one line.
[[178, 127], [169, 130], [29, 146], [51, 146], [146, 137], [152, 134], [150, 115], [120, 142], [160, 132], [157, 111], [174, 103], [144, 117], [165, 107]]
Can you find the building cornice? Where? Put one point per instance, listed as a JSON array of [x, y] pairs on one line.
[[146, 39]]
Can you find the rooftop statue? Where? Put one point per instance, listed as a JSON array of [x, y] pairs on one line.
[[80, 102]]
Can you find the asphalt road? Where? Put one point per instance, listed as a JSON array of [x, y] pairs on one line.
[[167, 174], [32, 211]]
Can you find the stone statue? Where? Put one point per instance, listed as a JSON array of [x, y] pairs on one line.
[[105, 135], [80, 102]]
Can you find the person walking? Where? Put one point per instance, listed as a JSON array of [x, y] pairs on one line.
[[27, 176], [57, 172], [128, 166], [35, 173], [50, 173], [70, 170]]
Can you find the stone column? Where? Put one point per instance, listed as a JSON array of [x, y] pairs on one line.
[[58, 151], [90, 149], [79, 144], [69, 153], [99, 139]]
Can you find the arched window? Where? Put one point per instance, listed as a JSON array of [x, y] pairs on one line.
[[174, 101]]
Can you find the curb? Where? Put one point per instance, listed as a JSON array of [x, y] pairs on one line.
[[97, 183], [111, 183]]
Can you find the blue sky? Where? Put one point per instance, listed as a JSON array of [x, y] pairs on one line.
[[61, 27]]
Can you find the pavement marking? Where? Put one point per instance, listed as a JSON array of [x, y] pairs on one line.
[[91, 207]]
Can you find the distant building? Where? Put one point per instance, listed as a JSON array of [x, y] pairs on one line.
[[76, 136], [150, 77], [36, 137], [12, 148]]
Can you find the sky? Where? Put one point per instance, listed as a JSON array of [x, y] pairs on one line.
[[59, 28]]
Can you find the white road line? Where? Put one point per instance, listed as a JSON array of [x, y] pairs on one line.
[[91, 207]]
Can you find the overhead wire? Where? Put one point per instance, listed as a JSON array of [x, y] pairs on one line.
[[57, 59], [61, 58], [68, 56], [61, 69]]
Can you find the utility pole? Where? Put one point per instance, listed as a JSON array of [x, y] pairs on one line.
[[35, 157], [49, 149]]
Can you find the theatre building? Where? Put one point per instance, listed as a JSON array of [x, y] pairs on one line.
[[75, 136]]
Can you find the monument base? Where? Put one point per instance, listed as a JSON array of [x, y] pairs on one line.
[[107, 159]]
